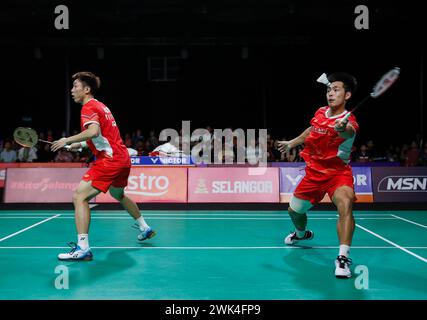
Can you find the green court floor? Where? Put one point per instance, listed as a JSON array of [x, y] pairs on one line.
[[212, 255]]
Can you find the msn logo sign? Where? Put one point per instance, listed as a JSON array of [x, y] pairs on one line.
[[404, 184]]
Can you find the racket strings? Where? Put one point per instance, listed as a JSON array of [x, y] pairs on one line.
[[26, 137]]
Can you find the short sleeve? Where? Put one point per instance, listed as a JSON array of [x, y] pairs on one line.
[[88, 116], [319, 111], [352, 120]]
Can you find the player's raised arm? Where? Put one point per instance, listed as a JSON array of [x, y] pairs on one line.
[[284, 146]]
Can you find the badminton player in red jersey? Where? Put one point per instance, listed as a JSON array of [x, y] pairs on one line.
[[110, 170], [328, 143]]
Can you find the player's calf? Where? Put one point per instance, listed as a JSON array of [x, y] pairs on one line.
[[297, 211]]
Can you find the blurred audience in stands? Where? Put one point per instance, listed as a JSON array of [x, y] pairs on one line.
[[413, 154], [8, 154], [423, 155], [27, 154], [363, 155], [64, 156], [137, 137]]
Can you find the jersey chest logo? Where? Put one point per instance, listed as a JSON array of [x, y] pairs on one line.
[[319, 130]]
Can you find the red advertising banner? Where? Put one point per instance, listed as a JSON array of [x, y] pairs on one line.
[[154, 185], [3, 167], [233, 185], [31, 185]]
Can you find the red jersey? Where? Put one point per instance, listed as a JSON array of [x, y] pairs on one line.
[[325, 151], [108, 145]]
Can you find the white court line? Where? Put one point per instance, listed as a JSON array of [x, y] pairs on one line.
[[392, 243], [127, 217], [170, 214], [105, 212], [177, 218], [27, 228], [217, 248], [410, 221]]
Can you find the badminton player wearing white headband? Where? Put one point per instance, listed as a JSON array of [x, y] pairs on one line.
[[109, 172], [328, 142]]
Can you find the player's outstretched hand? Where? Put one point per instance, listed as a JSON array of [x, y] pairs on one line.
[[58, 144], [284, 146]]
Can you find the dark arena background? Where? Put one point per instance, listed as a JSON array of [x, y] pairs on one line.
[[220, 225]]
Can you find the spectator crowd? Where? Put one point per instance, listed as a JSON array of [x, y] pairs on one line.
[[408, 154]]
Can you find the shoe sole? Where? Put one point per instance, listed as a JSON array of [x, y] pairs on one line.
[[295, 241], [292, 243], [152, 234], [71, 259], [342, 276]]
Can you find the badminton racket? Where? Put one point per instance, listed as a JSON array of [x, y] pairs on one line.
[[28, 137]]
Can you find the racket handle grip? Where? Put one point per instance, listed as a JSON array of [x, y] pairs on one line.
[[345, 119], [69, 149]]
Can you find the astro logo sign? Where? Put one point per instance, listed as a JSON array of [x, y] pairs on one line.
[[403, 184], [148, 185]]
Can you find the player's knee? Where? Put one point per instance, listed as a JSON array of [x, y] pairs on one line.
[[118, 195], [344, 205], [344, 196], [77, 197], [346, 201], [299, 205]]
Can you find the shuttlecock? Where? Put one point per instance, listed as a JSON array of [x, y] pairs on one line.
[[324, 79]]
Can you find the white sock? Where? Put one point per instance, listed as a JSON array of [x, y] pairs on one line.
[[142, 224], [344, 250], [300, 233], [83, 240]]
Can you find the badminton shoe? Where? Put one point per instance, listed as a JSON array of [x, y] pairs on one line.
[[292, 238], [342, 267], [146, 234], [76, 253]]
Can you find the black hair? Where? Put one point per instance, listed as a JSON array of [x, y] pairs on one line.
[[350, 82], [89, 79]]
